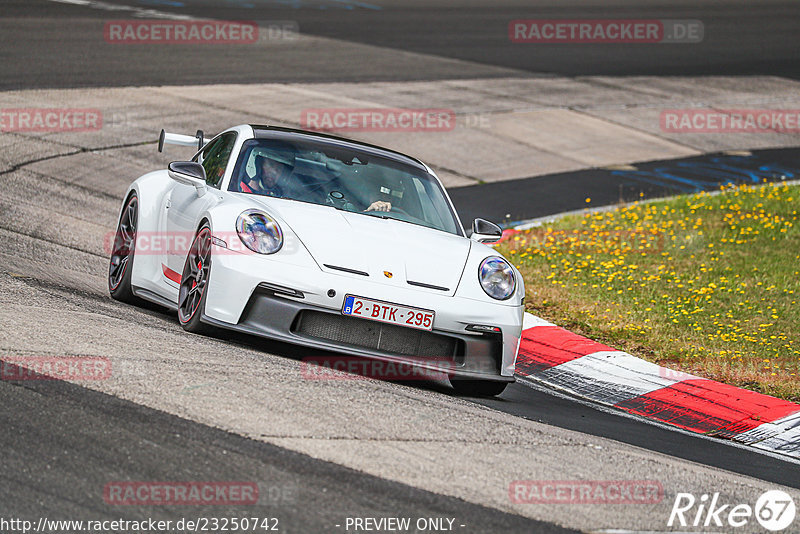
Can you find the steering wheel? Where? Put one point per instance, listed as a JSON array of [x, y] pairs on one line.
[[395, 209], [400, 211]]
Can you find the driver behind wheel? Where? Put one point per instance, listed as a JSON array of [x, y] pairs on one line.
[[380, 205], [383, 202], [270, 169]]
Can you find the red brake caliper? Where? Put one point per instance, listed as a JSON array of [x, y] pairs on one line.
[[199, 267]]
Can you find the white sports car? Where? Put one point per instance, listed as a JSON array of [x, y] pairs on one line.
[[324, 242]]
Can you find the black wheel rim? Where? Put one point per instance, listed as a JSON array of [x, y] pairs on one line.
[[195, 276], [124, 243]]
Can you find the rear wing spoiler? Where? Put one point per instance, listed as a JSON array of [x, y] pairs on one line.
[[180, 140]]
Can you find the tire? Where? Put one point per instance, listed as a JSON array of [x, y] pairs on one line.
[[478, 388], [194, 283], [122, 254]]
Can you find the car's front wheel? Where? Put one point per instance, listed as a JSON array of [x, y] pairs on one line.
[[478, 388], [194, 283], [120, 265]]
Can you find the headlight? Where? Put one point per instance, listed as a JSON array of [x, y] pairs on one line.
[[259, 232], [497, 278]]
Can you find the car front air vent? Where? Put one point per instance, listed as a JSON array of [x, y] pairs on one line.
[[428, 286], [345, 270]]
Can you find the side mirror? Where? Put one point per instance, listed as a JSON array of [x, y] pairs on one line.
[[189, 173], [484, 231]]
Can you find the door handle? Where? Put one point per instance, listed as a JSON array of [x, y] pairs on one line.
[[168, 204]]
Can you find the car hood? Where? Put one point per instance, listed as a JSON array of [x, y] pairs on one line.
[[341, 241]]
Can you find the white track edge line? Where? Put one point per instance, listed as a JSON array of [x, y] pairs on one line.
[[557, 392]]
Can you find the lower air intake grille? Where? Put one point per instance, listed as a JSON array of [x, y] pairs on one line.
[[376, 336]]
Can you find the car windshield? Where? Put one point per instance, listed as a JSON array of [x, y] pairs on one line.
[[342, 178]]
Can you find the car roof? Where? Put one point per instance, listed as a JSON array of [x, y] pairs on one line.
[[263, 131]]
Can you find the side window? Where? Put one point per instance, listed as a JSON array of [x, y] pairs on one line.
[[215, 158]]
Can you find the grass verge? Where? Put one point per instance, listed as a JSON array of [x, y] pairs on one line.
[[706, 284]]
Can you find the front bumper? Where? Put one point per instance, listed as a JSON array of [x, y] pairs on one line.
[[245, 294]]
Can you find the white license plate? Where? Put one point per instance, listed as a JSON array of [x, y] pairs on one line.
[[386, 312]]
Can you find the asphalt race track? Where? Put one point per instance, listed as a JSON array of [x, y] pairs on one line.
[[182, 407], [743, 38], [523, 199], [176, 449]]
